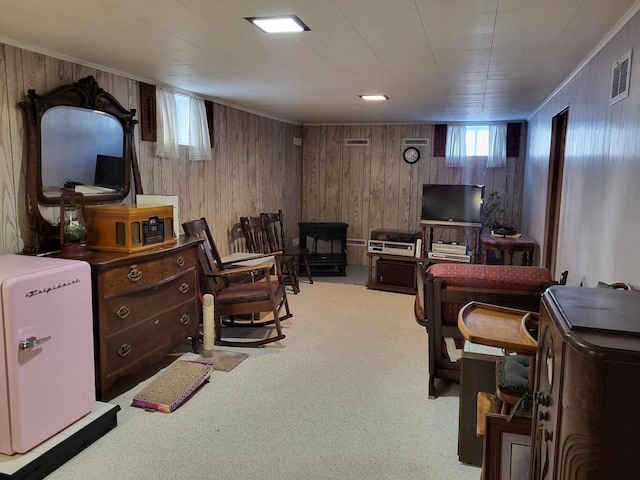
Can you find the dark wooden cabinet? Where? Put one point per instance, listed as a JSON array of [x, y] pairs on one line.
[[326, 243], [586, 392], [145, 305], [393, 273]]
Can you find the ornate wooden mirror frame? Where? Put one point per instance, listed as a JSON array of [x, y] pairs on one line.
[[84, 94]]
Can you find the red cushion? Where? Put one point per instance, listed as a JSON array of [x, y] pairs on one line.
[[494, 277]]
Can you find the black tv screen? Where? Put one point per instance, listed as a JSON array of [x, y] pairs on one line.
[[452, 203], [109, 172]]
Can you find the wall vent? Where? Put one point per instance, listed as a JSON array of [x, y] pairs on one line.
[[356, 142], [297, 141], [357, 242], [419, 142]]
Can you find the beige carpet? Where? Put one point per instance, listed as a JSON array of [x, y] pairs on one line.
[[344, 396]]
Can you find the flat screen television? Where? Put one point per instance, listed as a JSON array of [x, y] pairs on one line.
[[109, 172], [452, 203]]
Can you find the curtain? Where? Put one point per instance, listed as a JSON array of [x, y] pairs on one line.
[[497, 156], [167, 121], [456, 152], [199, 142]]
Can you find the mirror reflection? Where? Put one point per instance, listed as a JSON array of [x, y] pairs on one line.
[[81, 149]]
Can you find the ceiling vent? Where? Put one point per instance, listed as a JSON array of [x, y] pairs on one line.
[[418, 142], [356, 142]]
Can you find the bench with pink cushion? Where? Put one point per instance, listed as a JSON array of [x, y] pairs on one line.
[[444, 288]]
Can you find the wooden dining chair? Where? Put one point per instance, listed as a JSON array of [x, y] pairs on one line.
[[240, 303], [274, 228], [257, 239], [235, 235]]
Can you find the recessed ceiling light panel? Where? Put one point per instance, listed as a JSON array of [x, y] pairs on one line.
[[374, 98], [279, 24]]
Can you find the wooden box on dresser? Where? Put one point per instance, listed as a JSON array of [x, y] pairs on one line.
[[586, 393], [145, 305]]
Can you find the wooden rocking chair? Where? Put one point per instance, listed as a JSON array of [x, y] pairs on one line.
[[233, 300]]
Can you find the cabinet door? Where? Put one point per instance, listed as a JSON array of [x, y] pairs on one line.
[[399, 274]]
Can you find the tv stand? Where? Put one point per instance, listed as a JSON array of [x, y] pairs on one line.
[[475, 229]]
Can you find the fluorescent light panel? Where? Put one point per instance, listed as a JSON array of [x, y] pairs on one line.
[[374, 98], [279, 24]]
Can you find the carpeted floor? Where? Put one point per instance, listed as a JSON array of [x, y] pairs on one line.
[[344, 396]]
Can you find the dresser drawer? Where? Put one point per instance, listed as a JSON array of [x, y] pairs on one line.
[[179, 262], [133, 275], [127, 348], [126, 309]]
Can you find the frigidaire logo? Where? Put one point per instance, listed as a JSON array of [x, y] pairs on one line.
[[33, 293]]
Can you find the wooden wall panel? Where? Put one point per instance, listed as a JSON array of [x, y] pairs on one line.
[[333, 167], [377, 178], [255, 166], [9, 175], [379, 190]]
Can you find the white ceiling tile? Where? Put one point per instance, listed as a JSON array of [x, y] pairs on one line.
[[437, 60], [553, 20]]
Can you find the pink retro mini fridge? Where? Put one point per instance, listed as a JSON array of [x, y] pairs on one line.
[[46, 348]]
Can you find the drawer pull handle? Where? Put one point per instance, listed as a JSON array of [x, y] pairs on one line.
[[184, 319], [157, 322], [124, 350], [134, 274], [180, 261], [123, 312], [184, 288]]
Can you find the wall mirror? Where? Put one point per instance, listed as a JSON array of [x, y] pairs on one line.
[[79, 137]]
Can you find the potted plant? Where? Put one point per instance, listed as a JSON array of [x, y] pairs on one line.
[[74, 232]]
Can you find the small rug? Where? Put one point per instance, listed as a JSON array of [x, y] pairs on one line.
[[173, 386], [224, 360]]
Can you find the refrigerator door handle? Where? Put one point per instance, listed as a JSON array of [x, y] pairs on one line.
[[33, 342]]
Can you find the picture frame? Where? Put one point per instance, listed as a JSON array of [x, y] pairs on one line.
[[620, 75], [507, 448]]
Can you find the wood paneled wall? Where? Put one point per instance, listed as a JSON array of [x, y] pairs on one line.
[[255, 166], [599, 228], [371, 187]]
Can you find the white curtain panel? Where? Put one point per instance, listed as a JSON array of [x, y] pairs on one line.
[[167, 120], [199, 142], [456, 153], [497, 146]]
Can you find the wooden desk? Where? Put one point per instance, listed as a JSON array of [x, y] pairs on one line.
[[507, 246]]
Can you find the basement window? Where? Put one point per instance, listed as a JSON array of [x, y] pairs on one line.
[[477, 140], [182, 111]]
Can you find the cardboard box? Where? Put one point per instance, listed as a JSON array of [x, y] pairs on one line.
[[129, 228]]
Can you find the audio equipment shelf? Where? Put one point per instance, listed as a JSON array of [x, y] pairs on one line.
[[473, 228]]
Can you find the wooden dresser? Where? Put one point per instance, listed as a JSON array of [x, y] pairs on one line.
[[586, 390], [145, 305]]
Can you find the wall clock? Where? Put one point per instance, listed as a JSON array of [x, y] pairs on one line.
[[411, 155]]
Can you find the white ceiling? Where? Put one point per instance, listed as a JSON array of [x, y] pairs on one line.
[[437, 60]]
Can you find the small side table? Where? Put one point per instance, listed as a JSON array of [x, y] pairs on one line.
[[507, 246]]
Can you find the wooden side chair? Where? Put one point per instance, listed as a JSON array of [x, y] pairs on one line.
[[236, 239], [239, 301], [257, 239], [254, 235], [274, 226]]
